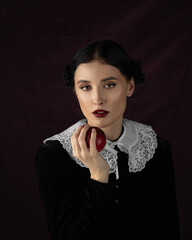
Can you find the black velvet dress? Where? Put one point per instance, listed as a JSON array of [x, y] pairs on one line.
[[137, 206]]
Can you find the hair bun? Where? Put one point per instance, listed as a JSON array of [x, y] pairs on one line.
[[136, 70], [68, 76]]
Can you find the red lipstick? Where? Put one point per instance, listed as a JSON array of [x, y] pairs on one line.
[[99, 113]]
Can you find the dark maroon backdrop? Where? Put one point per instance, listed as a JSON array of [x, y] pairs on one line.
[[37, 39]]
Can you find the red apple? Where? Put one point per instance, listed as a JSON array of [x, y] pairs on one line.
[[100, 138]]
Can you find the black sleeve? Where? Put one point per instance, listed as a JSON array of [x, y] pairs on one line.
[[166, 222], [69, 217]]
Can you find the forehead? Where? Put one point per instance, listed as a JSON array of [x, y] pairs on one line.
[[96, 69]]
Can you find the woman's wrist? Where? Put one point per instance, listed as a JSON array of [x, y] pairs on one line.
[[101, 177]]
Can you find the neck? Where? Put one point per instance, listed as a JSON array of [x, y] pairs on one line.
[[113, 132]]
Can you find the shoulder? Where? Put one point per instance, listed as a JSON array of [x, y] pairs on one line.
[[51, 158], [147, 134], [141, 140], [50, 152], [61, 143], [140, 135], [164, 146], [146, 145], [162, 161], [64, 137], [50, 147], [53, 161], [57, 149]]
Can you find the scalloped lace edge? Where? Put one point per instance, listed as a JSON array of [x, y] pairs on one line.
[[139, 151]]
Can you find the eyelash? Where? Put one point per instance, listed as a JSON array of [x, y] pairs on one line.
[[112, 85]]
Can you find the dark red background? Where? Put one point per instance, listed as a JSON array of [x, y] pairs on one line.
[[37, 39]]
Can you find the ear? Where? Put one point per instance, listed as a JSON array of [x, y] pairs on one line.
[[130, 87]]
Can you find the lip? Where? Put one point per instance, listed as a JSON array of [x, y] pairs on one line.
[[99, 113]]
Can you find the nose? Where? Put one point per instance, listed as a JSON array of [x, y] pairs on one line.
[[98, 97]]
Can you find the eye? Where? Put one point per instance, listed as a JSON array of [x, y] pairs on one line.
[[110, 85], [85, 87]]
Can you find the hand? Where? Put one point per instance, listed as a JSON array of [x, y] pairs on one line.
[[97, 165]]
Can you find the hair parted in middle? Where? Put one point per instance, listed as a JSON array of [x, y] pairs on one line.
[[107, 52]]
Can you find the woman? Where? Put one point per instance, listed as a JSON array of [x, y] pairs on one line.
[[127, 190]]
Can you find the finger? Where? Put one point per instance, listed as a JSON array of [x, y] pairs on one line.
[[74, 139], [75, 146], [76, 133], [93, 141], [81, 138], [78, 130]]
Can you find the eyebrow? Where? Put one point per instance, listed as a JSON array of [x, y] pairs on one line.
[[103, 80]]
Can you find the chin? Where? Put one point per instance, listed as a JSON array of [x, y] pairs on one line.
[[100, 122]]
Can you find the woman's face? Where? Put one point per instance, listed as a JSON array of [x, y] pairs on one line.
[[102, 90]]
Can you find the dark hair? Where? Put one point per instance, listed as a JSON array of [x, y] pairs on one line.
[[108, 52]]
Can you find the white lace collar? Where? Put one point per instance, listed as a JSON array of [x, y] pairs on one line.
[[138, 141]]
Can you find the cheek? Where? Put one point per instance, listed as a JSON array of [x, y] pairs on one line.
[[119, 98], [83, 102]]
